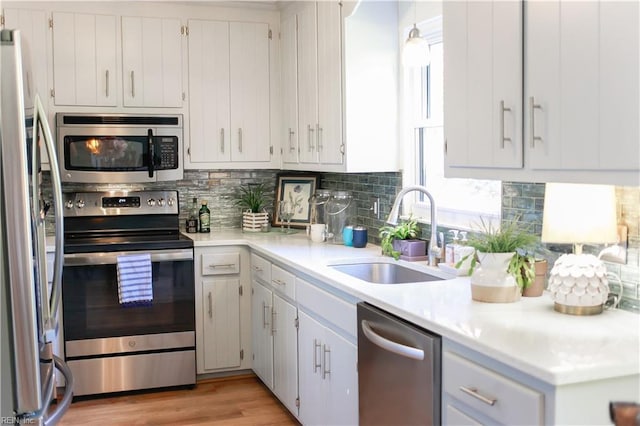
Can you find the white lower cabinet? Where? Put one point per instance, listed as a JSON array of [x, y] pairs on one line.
[[222, 309], [328, 376], [275, 330]]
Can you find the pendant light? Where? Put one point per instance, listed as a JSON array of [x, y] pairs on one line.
[[415, 52]]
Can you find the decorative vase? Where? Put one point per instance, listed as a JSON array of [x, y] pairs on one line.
[[491, 282], [411, 250], [252, 222], [536, 288]]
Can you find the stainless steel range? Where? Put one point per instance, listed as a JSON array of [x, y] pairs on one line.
[[113, 346]]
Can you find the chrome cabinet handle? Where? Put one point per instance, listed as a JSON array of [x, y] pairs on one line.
[[319, 137], [532, 118], [226, 266], [240, 139], [325, 370], [474, 393], [273, 321], [502, 111], [310, 131], [389, 345], [222, 140], [210, 306], [291, 133], [257, 269], [316, 346], [278, 282], [133, 85], [106, 83], [264, 315]]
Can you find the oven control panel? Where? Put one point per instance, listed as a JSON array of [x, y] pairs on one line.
[[113, 203]]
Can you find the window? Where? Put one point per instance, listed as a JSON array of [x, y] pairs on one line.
[[459, 202]]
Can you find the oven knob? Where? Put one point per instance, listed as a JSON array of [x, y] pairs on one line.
[[151, 202], [171, 202], [161, 202], [69, 204], [80, 203]]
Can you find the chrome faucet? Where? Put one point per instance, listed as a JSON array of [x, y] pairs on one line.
[[434, 249]]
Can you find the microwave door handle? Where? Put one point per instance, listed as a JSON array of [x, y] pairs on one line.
[[40, 122], [151, 150]]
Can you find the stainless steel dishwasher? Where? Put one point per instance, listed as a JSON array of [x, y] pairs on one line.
[[399, 374]]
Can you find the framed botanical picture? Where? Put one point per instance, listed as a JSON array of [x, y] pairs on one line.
[[292, 199]]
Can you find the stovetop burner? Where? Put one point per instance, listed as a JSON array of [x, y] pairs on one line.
[[122, 221]]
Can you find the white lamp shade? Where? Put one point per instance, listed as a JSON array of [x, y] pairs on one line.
[[578, 213], [416, 52]]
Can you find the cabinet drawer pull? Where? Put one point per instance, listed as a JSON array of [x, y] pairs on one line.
[[316, 346], [474, 393], [326, 370], [532, 119], [502, 111], [279, 282], [257, 269], [210, 306], [222, 265]]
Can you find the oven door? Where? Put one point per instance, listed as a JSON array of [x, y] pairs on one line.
[[92, 312], [96, 154]]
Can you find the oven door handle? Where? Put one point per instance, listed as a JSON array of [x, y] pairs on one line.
[[111, 258]]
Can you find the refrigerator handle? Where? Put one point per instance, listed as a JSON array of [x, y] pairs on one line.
[[63, 405], [40, 122]]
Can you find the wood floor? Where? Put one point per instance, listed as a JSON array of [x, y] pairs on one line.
[[241, 400]]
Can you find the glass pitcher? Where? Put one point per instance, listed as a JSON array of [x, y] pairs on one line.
[[339, 212], [318, 202]]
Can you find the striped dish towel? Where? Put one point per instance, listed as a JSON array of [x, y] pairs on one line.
[[135, 279]]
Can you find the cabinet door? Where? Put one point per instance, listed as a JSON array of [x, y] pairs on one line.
[[312, 399], [84, 59], [307, 82], [483, 84], [329, 136], [582, 85], [209, 114], [221, 308], [152, 62], [339, 366], [261, 299], [289, 45], [249, 71], [285, 353]]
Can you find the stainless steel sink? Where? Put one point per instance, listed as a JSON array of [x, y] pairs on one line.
[[384, 273]]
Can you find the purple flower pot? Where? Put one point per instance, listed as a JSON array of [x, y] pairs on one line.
[[410, 248]]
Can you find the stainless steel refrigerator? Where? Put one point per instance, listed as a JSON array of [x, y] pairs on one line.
[[28, 307]]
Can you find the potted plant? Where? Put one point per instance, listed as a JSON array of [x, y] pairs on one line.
[[533, 272], [252, 200], [400, 241], [503, 271]]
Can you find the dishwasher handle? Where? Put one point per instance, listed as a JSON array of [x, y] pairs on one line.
[[389, 345]]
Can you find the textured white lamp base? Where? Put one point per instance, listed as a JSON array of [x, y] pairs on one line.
[[578, 284]]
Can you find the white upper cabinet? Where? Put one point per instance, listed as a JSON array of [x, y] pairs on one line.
[[152, 62], [483, 84], [84, 59], [33, 28], [229, 87], [581, 99], [344, 54], [582, 86]]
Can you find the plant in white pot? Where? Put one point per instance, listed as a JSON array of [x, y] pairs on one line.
[[503, 271], [252, 200]]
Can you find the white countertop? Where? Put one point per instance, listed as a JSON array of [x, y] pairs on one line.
[[527, 335]]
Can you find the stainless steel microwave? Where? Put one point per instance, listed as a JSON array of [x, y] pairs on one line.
[[119, 148]]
